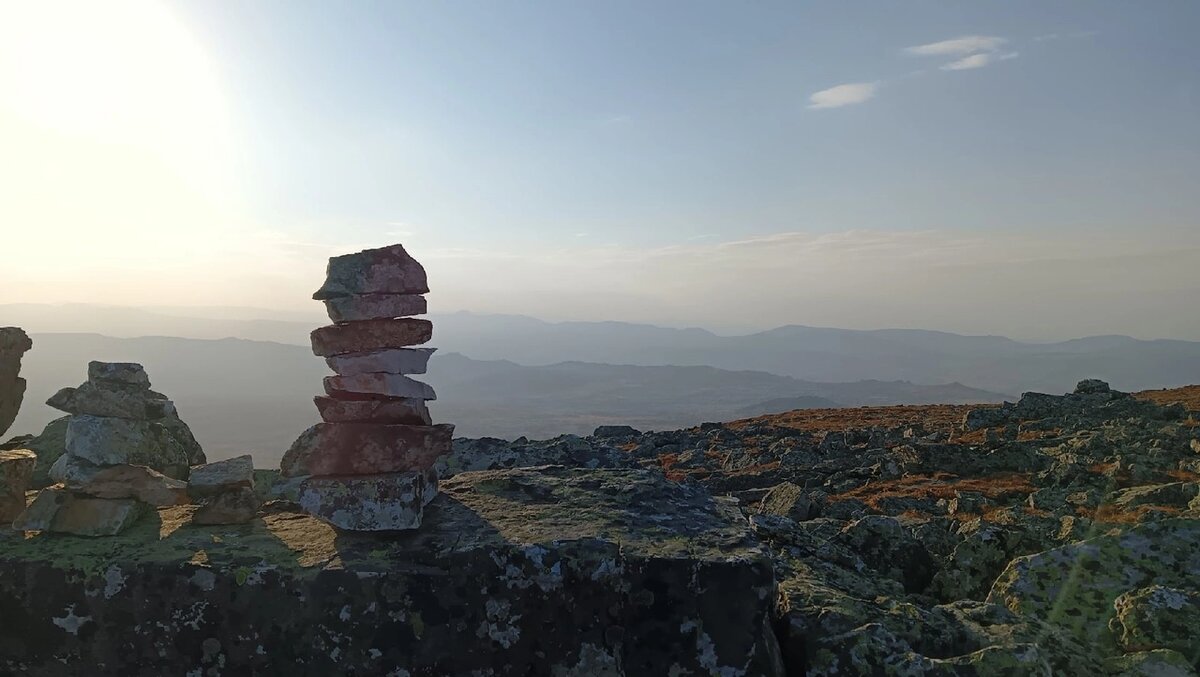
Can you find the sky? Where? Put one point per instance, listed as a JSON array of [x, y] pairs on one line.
[[994, 167]]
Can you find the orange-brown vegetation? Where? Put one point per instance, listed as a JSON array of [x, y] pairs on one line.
[[943, 485], [1115, 514], [943, 417], [1188, 396]]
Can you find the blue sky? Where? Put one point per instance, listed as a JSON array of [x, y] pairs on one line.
[[732, 165]]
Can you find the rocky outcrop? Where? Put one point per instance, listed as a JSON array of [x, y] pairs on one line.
[[370, 465], [13, 344], [549, 571], [225, 491]]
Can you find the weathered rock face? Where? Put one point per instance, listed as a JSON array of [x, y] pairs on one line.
[[16, 467], [61, 511], [376, 502], [387, 385], [386, 411], [387, 270], [125, 481], [225, 491], [370, 335], [544, 572], [119, 400], [370, 306], [394, 361], [363, 449], [13, 344]]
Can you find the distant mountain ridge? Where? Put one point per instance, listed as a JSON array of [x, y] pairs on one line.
[[255, 397], [993, 363]]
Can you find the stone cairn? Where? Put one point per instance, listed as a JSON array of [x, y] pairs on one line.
[[16, 466], [126, 450], [369, 465]]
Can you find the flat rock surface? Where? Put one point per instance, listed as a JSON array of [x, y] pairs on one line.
[[397, 361], [371, 335], [535, 571], [217, 477], [384, 410], [384, 385]]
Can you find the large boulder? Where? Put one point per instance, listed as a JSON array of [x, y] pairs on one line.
[[105, 440], [543, 571]]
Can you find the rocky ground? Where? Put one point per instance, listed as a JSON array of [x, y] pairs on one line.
[[1057, 535]]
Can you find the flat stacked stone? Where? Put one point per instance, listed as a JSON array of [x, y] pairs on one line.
[[126, 450], [13, 344], [225, 491], [369, 465]]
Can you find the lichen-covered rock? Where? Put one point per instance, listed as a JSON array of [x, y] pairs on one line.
[[119, 373], [60, 511], [1074, 586], [234, 506], [126, 481], [523, 572], [221, 476], [1156, 663], [365, 449], [792, 501], [386, 270], [13, 344], [1158, 617], [16, 467], [489, 453], [49, 445], [113, 399], [112, 441], [1173, 494], [390, 502], [885, 546], [369, 336]]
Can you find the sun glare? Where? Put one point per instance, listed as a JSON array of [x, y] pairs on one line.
[[113, 124]]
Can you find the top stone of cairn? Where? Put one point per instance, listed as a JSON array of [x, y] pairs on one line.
[[387, 270], [127, 373]]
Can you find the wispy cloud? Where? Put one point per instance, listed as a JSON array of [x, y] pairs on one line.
[[976, 61], [846, 94], [967, 44], [974, 51]]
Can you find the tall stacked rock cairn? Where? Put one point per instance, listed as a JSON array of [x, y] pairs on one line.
[[126, 451], [369, 465]]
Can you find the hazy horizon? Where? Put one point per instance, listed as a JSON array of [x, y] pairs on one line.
[[1007, 169]]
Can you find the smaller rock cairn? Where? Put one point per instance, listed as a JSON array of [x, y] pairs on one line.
[[369, 465], [126, 450]]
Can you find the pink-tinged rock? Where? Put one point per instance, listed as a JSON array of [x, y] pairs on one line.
[[375, 307], [373, 503], [370, 335], [387, 270], [386, 385], [16, 467], [365, 449], [397, 361], [406, 411]]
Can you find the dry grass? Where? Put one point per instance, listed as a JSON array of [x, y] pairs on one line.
[[943, 485], [1115, 514], [1188, 396], [943, 417]]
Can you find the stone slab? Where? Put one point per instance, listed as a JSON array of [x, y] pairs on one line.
[[387, 410], [384, 385], [397, 361], [58, 510], [375, 307], [366, 449], [536, 571], [236, 506], [95, 399], [218, 477], [371, 335], [386, 270], [130, 481], [127, 373], [389, 502]]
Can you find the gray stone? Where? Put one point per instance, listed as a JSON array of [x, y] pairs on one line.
[[395, 361], [233, 474], [385, 385], [382, 410], [16, 467], [374, 307], [116, 441], [114, 400], [128, 481], [388, 502], [128, 373], [237, 506], [387, 270], [60, 511]]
